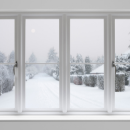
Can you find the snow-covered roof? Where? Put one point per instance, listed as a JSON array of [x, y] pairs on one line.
[[99, 70]]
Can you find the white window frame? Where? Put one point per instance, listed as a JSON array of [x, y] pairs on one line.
[[64, 53], [15, 17], [113, 17]]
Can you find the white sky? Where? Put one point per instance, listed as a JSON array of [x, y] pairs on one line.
[[7, 36], [122, 35], [86, 37]]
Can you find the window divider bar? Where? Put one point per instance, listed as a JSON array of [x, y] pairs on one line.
[[41, 63], [19, 43], [85, 63], [64, 71]]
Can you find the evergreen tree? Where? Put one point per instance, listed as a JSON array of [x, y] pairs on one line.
[[88, 67], [2, 57], [11, 58], [52, 56], [32, 58], [72, 66], [99, 60], [79, 67]]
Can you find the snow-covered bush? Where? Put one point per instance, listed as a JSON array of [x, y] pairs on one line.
[[120, 82], [56, 76], [88, 67], [77, 80], [100, 81], [2, 57], [90, 80], [31, 71], [6, 82]]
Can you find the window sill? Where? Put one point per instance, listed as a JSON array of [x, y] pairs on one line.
[[65, 118]]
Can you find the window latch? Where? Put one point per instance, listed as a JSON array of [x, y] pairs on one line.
[[113, 64], [15, 65]]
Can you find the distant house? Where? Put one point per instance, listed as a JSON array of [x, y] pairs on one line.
[[99, 70]]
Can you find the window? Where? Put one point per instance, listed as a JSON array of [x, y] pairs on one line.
[[64, 63]]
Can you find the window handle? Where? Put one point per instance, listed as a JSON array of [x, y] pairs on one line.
[[113, 64], [15, 65]]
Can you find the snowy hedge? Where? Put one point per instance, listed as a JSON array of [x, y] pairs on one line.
[[90, 80], [56, 76], [100, 81], [120, 82], [76, 79]]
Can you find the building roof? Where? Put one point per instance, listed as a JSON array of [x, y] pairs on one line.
[[99, 70]]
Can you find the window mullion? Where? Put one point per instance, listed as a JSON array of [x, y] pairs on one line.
[[63, 67]]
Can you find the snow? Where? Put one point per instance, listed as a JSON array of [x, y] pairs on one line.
[[43, 92], [98, 70]]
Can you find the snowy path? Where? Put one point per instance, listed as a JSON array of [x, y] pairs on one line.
[[43, 92]]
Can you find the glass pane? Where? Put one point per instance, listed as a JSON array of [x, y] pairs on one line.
[[42, 40], [87, 40], [122, 54], [122, 87], [42, 86], [86, 89], [6, 39], [7, 87]]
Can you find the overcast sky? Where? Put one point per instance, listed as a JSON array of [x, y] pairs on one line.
[[86, 37]]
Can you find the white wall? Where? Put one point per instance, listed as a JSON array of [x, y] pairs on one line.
[[64, 4]]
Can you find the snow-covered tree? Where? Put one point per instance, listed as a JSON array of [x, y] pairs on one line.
[[72, 66], [79, 58], [2, 57], [31, 69], [123, 68], [88, 67], [52, 56], [11, 58], [32, 58], [79, 67], [99, 60]]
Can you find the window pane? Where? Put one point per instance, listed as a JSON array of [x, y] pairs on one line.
[[7, 87], [42, 86], [6, 39], [122, 88], [42, 36], [86, 80], [87, 39], [122, 54]]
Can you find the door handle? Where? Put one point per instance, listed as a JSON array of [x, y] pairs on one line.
[[15, 65]]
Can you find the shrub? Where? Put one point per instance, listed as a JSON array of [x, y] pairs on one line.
[[120, 82], [100, 81], [6, 81], [77, 80], [56, 76], [90, 80]]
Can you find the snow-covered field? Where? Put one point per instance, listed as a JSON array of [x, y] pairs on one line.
[[43, 92]]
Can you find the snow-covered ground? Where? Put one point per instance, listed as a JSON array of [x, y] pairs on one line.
[[43, 92]]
